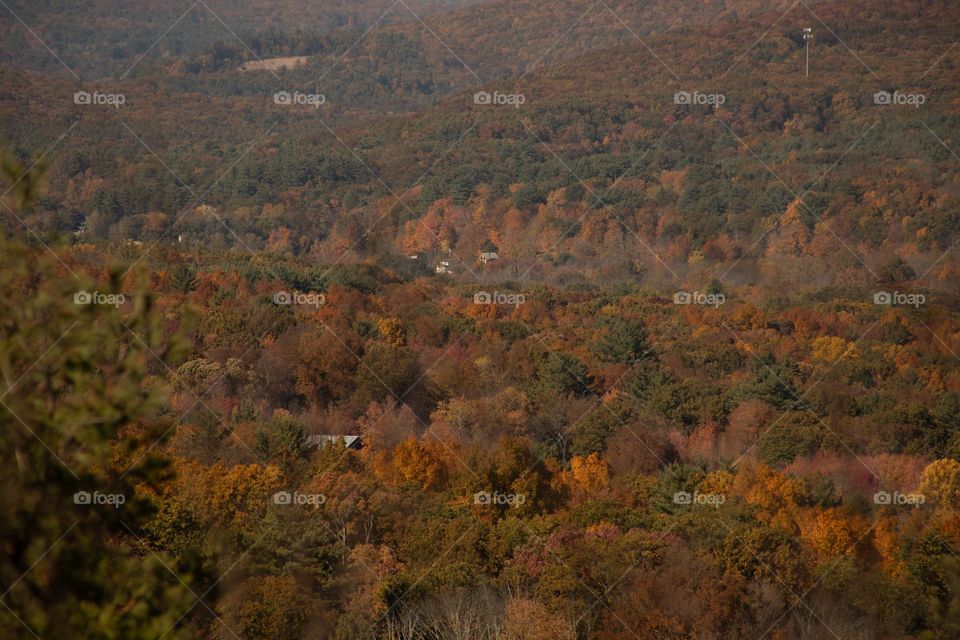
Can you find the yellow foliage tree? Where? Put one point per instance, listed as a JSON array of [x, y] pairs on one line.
[[718, 482], [831, 349], [886, 539], [420, 462], [941, 483], [777, 495], [830, 534], [231, 495], [590, 472], [392, 331]]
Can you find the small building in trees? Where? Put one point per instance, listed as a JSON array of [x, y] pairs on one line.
[[488, 252], [349, 442]]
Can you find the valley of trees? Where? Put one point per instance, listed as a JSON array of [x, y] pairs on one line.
[[597, 406]]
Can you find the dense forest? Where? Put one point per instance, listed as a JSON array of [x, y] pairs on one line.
[[480, 320], [105, 38], [591, 176], [582, 463]]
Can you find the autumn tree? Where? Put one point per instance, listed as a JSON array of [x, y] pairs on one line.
[[941, 483], [420, 462], [79, 415]]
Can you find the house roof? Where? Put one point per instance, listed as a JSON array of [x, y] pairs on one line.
[[350, 442]]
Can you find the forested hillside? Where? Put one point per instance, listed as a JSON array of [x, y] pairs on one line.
[[433, 320], [582, 464], [602, 172], [106, 38]]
